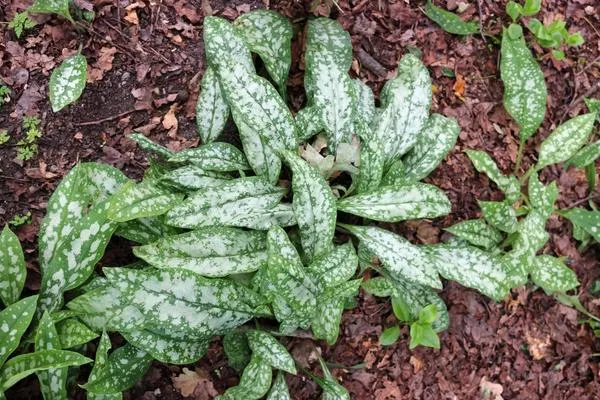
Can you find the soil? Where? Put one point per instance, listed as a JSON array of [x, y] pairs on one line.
[[146, 61]]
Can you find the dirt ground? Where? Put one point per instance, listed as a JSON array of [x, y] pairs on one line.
[[146, 61]]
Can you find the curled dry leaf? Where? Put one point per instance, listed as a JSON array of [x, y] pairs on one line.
[[189, 381]]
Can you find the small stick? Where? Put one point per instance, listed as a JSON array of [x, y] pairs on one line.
[[99, 121]]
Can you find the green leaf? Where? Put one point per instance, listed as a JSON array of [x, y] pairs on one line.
[[402, 259], [268, 34], [558, 54], [593, 105], [542, 197], [532, 233], [212, 110], [279, 390], [335, 267], [216, 156], [328, 85], [449, 21], [123, 368], [365, 106], [254, 383], [332, 390], [330, 306], [500, 215], [394, 174], [575, 39], [477, 232], [74, 333], [590, 175], [141, 200], [180, 300], [53, 382], [213, 252], [524, 85], [485, 164], [223, 45], [389, 336], [532, 7], [59, 7], [398, 203], [565, 140], [193, 177], [428, 314], [12, 267], [145, 230], [405, 102], [423, 335], [171, 347], [223, 204], [379, 286], [21, 366], [552, 275], [14, 321], [585, 156], [148, 145], [309, 123], [237, 350], [433, 143], [514, 10], [372, 161], [99, 364], [67, 82], [470, 267], [270, 351], [314, 207], [282, 215], [401, 309], [587, 220]]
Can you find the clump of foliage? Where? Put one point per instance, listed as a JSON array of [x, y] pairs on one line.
[[27, 147], [20, 23], [4, 136], [22, 219], [4, 94], [223, 240]]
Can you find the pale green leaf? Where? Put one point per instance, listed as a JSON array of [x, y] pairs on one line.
[[586, 156], [365, 106], [542, 197], [372, 160], [402, 259], [398, 203], [416, 297], [216, 156], [500, 215], [477, 232], [589, 221], [279, 389], [335, 267], [148, 145], [314, 207], [67, 82], [223, 45], [141, 200], [212, 110], [282, 215], [53, 382], [379, 286], [484, 163], [171, 347], [552, 275], [330, 306], [389, 336], [394, 174], [74, 333], [213, 252], [449, 21], [14, 321], [270, 351], [254, 383], [192, 177], [12, 267], [524, 86]]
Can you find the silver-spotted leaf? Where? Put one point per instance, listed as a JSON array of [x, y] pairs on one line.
[[192, 177], [74, 333], [314, 207], [254, 383], [272, 352], [524, 86], [552, 275], [588, 220], [213, 252], [372, 160], [477, 232], [141, 200], [531, 236], [586, 156], [100, 362], [309, 123], [237, 350], [433, 143], [332, 390], [449, 21], [500, 215], [402, 260], [148, 145], [330, 305], [365, 105], [394, 174], [212, 110], [398, 203], [216, 156], [282, 215], [379, 286], [59, 7], [335, 267], [14, 321], [565, 140], [67, 82], [12, 267], [485, 164], [171, 347], [53, 382], [542, 197], [223, 45], [279, 389], [145, 230]]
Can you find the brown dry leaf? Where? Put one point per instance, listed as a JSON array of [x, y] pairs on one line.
[[170, 121], [490, 390], [459, 87], [417, 363], [206, 8], [131, 15], [538, 346], [189, 381], [390, 391], [102, 65]]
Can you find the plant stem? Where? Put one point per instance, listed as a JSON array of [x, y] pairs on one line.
[[524, 178], [519, 156]]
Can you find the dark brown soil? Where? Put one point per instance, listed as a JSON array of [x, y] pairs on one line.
[[526, 347]]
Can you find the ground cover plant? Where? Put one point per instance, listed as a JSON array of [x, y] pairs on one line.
[[272, 239]]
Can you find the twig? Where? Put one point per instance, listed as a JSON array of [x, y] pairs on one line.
[[480, 19], [370, 63], [12, 178], [578, 202], [99, 121], [145, 48], [588, 66], [579, 99]]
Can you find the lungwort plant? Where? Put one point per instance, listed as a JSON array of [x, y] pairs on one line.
[[229, 247]]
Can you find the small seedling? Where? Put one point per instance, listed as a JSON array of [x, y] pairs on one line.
[[20, 23], [4, 137], [27, 147]]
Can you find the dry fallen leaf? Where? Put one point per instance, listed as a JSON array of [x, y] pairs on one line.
[[490, 390], [538, 345], [188, 381], [416, 363], [102, 65], [459, 87], [170, 121]]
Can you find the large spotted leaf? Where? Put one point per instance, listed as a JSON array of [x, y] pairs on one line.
[[141, 200], [14, 321], [12, 267], [53, 382], [394, 174], [524, 85], [586, 156], [223, 45], [217, 156], [67, 82], [449, 22], [372, 160], [22, 366], [565, 140], [58, 7], [237, 350], [149, 146], [223, 204], [328, 85], [265, 346], [542, 197], [334, 268], [531, 236], [279, 390], [100, 362], [282, 215], [398, 203], [330, 306], [123, 368], [552, 275], [332, 390], [314, 207], [405, 102], [308, 123], [432, 145], [470, 267], [192, 177], [402, 260], [145, 230], [269, 35], [216, 251], [212, 110], [254, 383], [171, 347], [181, 300], [477, 232], [587, 220], [500, 215], [72, 333], [485, 164]]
